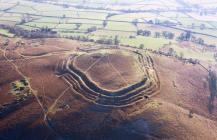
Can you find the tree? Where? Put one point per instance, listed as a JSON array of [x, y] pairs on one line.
[[171, 52], [104, 23], [23, 20], [6, 42], [190, 115], [91, 29], [116, 40], [188, 35], [168, 35], [150, 22], [157, 34], [181, 55], [202, 26], [135, 22], [146, 33], [157, 21], [78, 25], [200, 41], [193, 39], [141, 46], [139, 32]]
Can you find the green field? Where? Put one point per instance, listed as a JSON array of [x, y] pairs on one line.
[[189, 53], [6, 33], [149, 42], [65, 19]]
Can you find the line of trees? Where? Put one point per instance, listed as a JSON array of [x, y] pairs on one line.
[[107, 41], [165, 34], [212, 78], [170, 53]]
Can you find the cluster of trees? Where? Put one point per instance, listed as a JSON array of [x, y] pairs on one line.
[[165, 34], [144, 33], [199, 41], [187, 36], [168, 35]]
